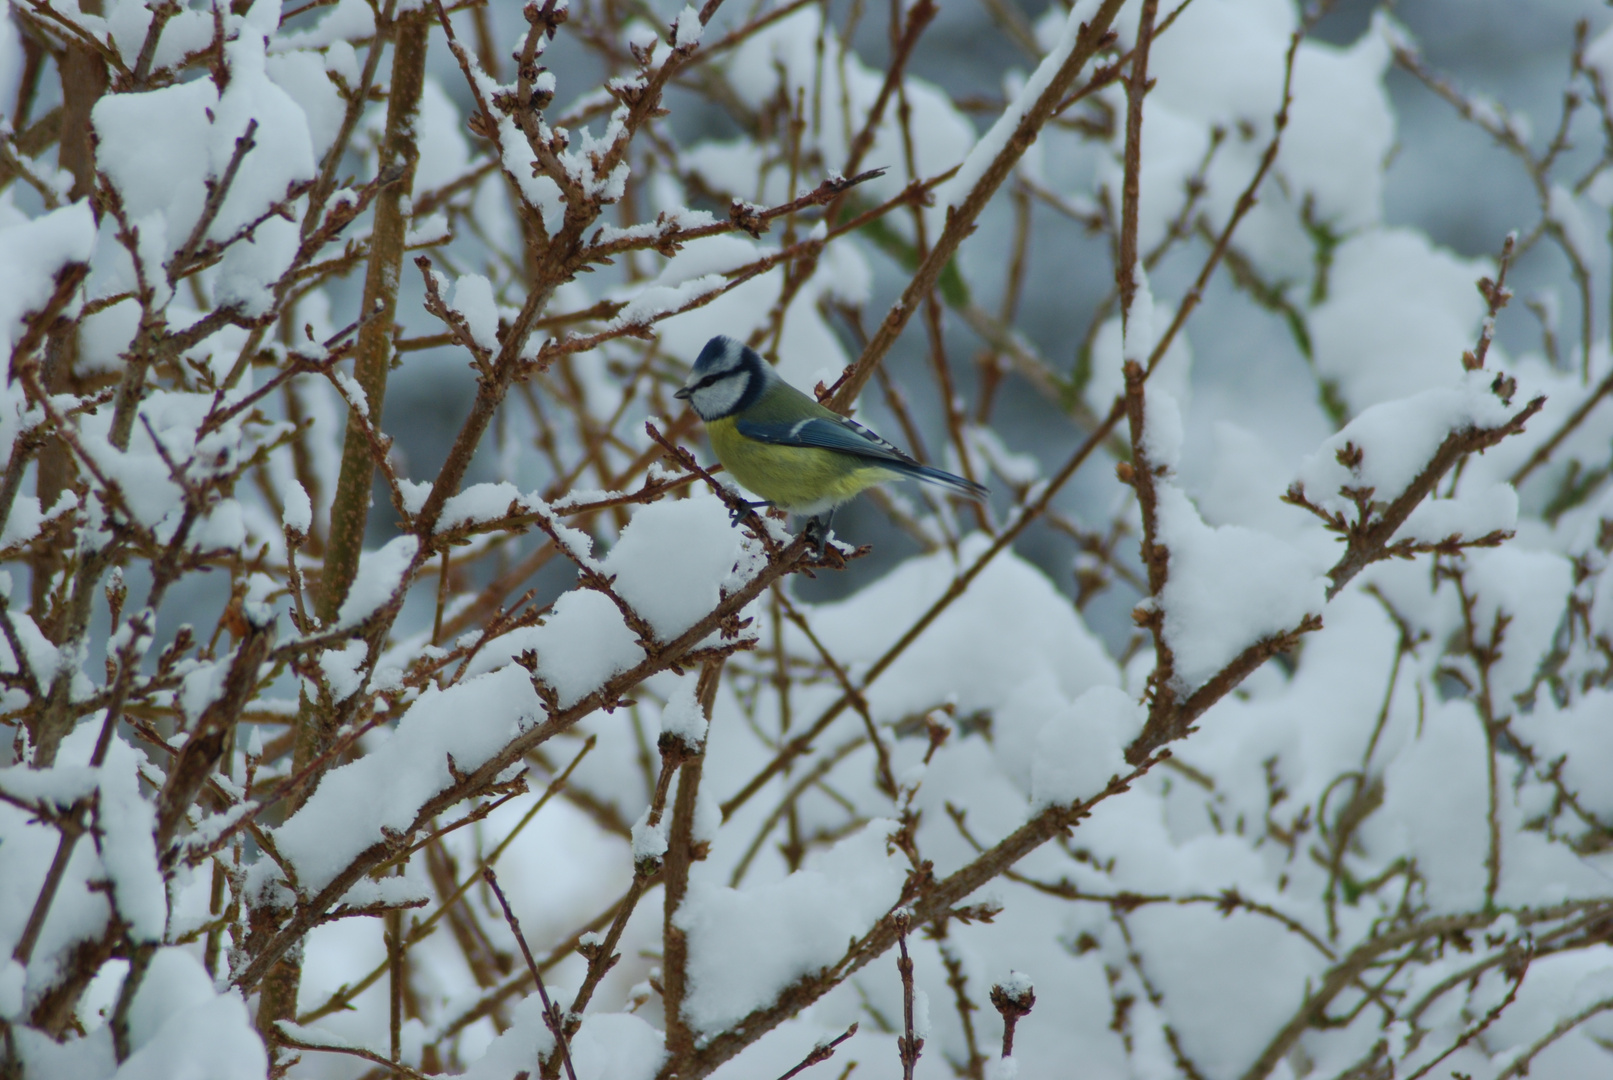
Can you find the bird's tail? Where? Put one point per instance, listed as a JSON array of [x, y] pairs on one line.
[[940, 478]]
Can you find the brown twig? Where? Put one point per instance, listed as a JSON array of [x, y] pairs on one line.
[[908, 1044], [961, 216], [1136, 90], [1367, 540], [820, 1053], [1014, 1003], [919, 16], [475, 782], [681, 853], [551, 1015], [1342, 974]]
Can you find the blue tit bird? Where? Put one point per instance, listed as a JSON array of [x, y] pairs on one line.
[[785, 447]]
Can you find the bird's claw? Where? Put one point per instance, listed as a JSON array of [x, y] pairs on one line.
[[816, 533], [742, 510]]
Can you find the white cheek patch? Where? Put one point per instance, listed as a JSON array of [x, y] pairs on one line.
[[721, 397]]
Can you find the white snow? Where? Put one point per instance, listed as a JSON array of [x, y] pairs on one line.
[[396, 891], [156, 147], [1010, 628], [1229, 981], [1172, 376], [12, 976], [181, 1029], [653, 302], [1341, 129], [1518, 595], [385, 788], [583, 643], [1229, 588], [473, 298], [299, 512], [1477, 511], [683, 717], [519, 1047], [353, 392], [128, 848], [608, 1046], [1575, 736], [1078, 750], [380, 575], [476, 504], [674, 561], [1003, 1068], [344, 668], [444, 153], [649, 842], [348, 20], [746, 946], [1397, 439], [1017, 985], [105, 335], [51, 241], [1398, 315], [689, 27], [301, 74]]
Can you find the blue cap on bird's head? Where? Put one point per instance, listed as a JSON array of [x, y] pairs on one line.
[[721, 355]]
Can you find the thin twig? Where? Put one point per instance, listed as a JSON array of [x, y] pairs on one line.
[[820, 1053], [1136, 90], [908, 1044], [551, 1015]]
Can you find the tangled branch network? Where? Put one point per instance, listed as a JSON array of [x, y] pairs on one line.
[[394, 685]]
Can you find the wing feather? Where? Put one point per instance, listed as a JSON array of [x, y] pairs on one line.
[[845, 436], [849, 437]]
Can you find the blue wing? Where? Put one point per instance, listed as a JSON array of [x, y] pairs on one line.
[[849, 437], [825, 433]]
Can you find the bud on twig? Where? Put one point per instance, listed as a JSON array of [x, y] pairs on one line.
[[1014, 997]]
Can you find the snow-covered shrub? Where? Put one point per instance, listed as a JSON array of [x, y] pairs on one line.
[[1303, 771]]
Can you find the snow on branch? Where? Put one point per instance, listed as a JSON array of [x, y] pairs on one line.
[[1259, 712]]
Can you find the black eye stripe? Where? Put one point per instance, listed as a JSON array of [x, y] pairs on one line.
[[709, 379]]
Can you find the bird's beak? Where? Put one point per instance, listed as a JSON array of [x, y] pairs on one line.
[[682, 393]]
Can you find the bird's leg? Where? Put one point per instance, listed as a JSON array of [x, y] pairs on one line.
[[744, 508], [817, 530]]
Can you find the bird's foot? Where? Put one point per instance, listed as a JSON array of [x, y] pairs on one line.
[[740, 509], [817, 533]]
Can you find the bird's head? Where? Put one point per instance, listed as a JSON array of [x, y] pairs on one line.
[[727, 377]]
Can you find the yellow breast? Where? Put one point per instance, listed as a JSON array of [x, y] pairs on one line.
[[799, 479]]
